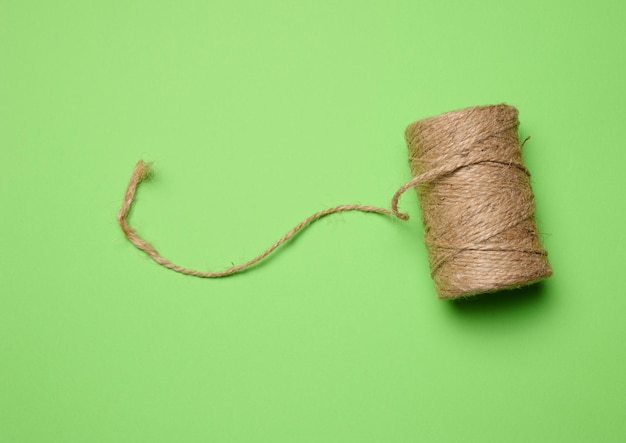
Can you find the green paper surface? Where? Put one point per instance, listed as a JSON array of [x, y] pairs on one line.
[[258, 114]]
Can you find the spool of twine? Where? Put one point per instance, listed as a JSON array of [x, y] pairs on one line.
[[478, 207], [475, 196]]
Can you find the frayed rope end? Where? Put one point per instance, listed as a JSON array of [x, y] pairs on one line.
[[142, 170]]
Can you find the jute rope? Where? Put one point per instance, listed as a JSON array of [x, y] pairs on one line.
[[475, 196], [478, 217]]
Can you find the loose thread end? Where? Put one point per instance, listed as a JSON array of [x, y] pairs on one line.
[[143, 170], [402, 216]]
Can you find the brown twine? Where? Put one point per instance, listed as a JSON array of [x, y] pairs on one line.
[[479, 226], [475, 196]]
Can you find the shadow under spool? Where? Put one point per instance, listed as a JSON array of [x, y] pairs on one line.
[[478, 210]]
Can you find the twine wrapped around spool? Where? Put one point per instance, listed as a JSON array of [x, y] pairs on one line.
[[478, 208], [475, 196]]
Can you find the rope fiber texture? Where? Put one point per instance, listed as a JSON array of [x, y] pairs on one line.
[[478, 209]]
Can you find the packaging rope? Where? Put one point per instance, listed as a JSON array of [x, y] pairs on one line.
[[476, 202]]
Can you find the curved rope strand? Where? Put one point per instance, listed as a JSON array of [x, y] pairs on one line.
[[142, 170]]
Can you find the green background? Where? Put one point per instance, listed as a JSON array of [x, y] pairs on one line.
[[256, 115]]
